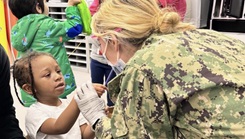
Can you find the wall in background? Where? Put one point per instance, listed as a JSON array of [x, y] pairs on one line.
[[198, 12]]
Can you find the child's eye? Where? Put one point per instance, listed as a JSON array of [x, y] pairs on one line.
[[47, 75], [58, 71], [47, 0]]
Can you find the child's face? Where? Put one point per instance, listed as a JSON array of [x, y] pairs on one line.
[[48, 79], [46, 8]]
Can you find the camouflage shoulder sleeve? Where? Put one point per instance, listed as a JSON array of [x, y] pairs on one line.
[[67, 29], [202, 76], [140, 110]]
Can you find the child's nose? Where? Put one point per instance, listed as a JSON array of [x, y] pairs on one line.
[[58, 77]]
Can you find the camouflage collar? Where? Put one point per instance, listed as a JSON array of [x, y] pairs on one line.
[[114, 87]]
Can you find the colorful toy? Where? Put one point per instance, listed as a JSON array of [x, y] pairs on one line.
[[86, 17]]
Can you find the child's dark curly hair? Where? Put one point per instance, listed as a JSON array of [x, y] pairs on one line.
[[22, 71], [21, 8]]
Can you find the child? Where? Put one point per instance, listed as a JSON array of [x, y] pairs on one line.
[[101, 72], [178, 5], [39, 75], [35, 30]]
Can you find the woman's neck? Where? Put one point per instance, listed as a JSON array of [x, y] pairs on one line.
[[129, 52]]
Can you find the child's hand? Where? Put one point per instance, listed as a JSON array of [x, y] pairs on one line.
[[73, 2], [99, 88], [108, 111]]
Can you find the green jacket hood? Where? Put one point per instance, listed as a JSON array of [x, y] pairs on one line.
[[25, 31]]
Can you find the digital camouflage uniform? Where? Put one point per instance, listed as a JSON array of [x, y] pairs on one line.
[[39, 32], [182, 85]]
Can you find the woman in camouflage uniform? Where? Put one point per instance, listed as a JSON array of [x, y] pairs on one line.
[[178, 81]]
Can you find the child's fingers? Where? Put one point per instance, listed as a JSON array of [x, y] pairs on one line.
[[109, 111], [100, 89], [99, 86], [100, 94]]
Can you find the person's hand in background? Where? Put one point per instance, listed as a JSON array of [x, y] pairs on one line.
[[109, 111], [73, 2], [99, 88]]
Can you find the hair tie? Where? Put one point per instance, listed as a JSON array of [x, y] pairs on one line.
[[156, 21], [165, 21], [118, 29]]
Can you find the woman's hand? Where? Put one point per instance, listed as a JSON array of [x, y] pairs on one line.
[[91, 106]]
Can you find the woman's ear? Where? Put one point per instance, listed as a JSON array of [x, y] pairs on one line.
[[39, 9], [27, 88], [114, 42]]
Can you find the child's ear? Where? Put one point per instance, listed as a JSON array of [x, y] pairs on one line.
[[27, 88], [39, 9]]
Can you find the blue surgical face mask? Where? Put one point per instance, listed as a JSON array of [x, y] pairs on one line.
[[120, 64]]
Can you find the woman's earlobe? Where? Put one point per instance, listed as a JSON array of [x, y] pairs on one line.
[[27, 88]]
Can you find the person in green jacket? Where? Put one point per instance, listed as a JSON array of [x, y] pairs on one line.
[[36, 31], [176, 81]]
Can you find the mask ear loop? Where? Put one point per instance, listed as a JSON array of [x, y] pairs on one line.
[[118, 53], [106, 39], [106, 45]]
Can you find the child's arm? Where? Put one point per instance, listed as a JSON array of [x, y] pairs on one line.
[[62, 31], [86, 131], [63, 123], [94, 6]]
